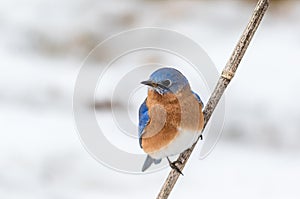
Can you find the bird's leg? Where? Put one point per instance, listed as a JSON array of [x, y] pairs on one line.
[[173, 165]]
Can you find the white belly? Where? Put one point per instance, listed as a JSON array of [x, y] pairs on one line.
[[183, 141]]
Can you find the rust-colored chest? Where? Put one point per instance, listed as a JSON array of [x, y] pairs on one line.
[[168, 113]]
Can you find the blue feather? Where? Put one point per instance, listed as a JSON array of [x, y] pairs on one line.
[[198, 98], [143, 120], [149, 160]]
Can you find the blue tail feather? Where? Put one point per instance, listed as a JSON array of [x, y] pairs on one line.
[[149, 161]]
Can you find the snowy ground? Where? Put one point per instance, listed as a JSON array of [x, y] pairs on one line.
[[42, 46]]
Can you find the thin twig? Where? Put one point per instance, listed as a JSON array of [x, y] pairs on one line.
[[224, 80]]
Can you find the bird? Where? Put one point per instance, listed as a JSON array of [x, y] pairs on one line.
[[170, 118]]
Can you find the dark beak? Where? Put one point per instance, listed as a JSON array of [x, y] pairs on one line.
[[149, 83], [153, 84]]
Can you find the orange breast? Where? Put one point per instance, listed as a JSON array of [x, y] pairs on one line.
[[168, 112]]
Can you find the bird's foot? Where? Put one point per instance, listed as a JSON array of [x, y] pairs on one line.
[[173, 165]]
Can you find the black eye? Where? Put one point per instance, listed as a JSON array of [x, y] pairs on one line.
[[166, 83]]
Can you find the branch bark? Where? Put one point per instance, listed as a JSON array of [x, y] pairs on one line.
[[227, 74]]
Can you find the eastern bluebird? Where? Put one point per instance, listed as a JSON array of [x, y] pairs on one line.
[[170, 118]]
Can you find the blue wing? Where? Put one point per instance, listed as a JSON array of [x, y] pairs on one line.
[[143, 120], [198, 98]]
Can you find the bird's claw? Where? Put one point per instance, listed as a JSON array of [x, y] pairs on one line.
[[201, 137], [173, 165]]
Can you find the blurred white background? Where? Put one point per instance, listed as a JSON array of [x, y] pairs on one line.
[[43, 44]]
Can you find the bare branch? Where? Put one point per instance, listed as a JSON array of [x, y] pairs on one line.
[[224, 80]]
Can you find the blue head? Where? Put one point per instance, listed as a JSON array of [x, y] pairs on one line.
[[165, 80]]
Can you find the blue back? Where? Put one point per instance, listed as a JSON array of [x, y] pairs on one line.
[[198, 98]]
